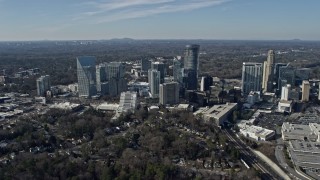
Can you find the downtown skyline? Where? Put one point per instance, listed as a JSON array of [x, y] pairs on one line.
[[159, 19]]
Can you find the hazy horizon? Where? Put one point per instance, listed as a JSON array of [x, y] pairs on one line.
[[159, 19]]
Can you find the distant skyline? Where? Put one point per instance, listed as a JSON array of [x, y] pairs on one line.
[[159, 19]]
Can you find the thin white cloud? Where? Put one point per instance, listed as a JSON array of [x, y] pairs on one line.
[[117, 10]]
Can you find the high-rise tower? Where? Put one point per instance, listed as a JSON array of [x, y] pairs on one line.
[[251, 77], [43, 84], [268, 72], [86, 73], [154, 82], [191, 66]]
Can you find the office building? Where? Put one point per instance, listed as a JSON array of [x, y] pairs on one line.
[[206, 82], [255, 132], [251, 77], [115, 72], [218, 114], [101, 78], [302, 74], [268, 72], [145, 65], [191, 66], [191, 57], [177, 71], [285, 92], [159, 66], [277, 72], [43, 85], [154, 82], [86, 73], [286, 76], [305, 91], [169, 93], [190, 80]]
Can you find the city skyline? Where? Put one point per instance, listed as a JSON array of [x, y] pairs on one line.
[[159, 19]]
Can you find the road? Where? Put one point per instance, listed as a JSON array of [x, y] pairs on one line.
[[249, 157]]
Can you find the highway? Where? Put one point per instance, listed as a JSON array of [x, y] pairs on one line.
[[249, 157]]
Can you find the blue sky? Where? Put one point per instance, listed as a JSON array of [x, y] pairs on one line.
[[159, 19]]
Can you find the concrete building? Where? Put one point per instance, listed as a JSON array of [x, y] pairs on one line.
[[305, 91], [255, 132], [128, 102], [218, 113], [43, 85], [191, 66], [206, 82], [154, 82], [169, 93], [301, 132], [285, 106], [86, 76], [268, 72], [285, 92], [251, 77]]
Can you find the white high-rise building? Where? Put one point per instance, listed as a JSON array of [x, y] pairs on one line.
[[154, 78], [43, 85], [169, 93], [305, 91], [251, 77], [285, 92], [86, 73]]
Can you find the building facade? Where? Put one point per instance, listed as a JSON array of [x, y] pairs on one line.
[[86, 73], [169, 93], [191, 66], [268, 72], [251, 77], [154, 82], [43, 85], [305, 91]]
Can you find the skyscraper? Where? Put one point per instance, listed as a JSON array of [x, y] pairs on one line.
[[268, 72], [251, 77], [159, 66], [191, 66], [154, 82], [177, 71], [286, 76], [101, 78], [43, 85], [305, 91], [86, 76], [115, 72], [169, 93]]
